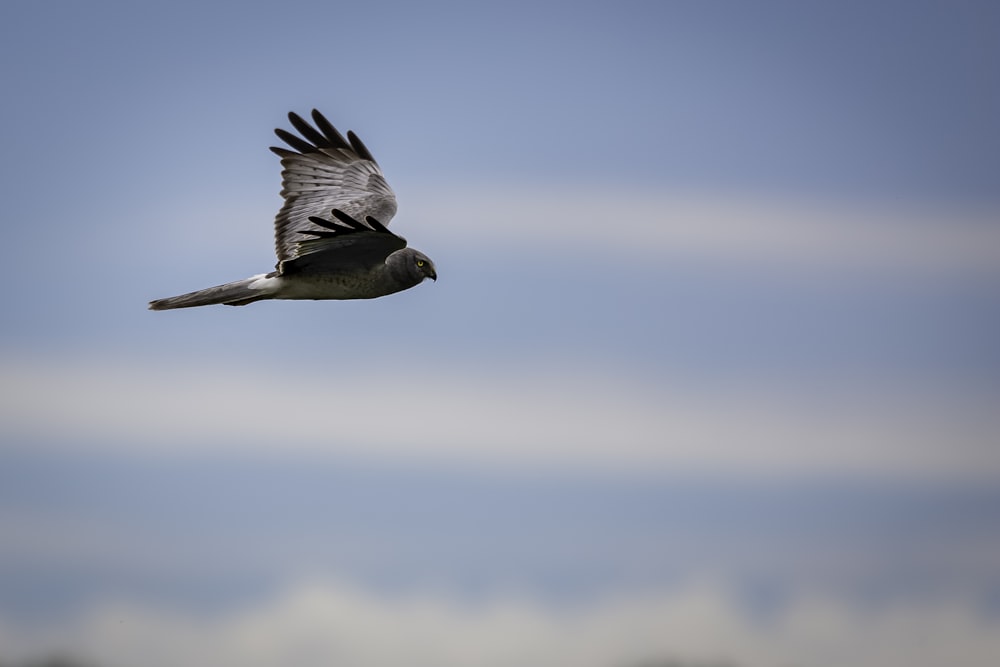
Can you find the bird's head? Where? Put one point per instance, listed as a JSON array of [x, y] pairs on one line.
[[424, 266], [410, 267]]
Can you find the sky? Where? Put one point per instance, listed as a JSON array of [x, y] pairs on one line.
[[710, 372]]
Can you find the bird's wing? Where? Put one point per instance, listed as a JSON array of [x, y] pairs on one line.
[[323, 172], [344, 246]]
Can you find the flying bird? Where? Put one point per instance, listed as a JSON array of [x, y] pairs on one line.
[[331, 234]]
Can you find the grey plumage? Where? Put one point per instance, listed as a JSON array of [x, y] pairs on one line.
[[330, 235]]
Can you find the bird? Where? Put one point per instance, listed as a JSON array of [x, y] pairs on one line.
[[330, 235]]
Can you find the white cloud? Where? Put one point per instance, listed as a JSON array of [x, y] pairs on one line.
[[326, 623], [638, 225], [536, 417], [645, 225]]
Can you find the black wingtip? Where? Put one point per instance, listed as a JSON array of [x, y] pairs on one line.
[[331, 133], [307, 131], [298, 144], [324, 135], [348, 220], [359, 147], [324, 223], [349, 224], [376, 225]]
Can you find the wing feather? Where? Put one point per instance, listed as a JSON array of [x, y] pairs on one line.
[[346, 245], [325, 171]]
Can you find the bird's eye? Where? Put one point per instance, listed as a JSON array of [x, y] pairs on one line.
[[420, 262]]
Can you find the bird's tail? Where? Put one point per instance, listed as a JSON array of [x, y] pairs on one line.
[[238, 293]]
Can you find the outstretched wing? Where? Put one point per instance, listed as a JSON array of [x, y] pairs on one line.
[[347, 246], [325, 171]]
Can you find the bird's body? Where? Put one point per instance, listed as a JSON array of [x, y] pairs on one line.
[[330, 235], [327, 286]]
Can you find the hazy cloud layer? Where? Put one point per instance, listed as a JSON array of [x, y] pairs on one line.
[[325, 623], [546, 417], [643, 225]]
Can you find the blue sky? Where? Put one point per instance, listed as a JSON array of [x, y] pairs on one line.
[[713, 347]]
